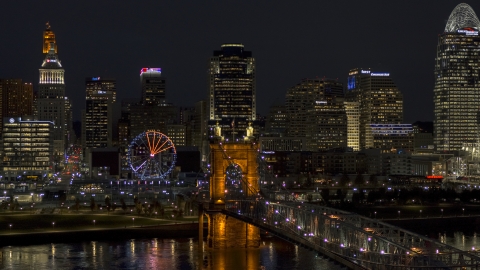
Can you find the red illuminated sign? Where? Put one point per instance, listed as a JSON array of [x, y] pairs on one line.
[[434, 177]]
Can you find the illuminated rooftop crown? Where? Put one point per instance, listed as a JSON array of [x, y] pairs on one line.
[[51, 59], [461, 17]]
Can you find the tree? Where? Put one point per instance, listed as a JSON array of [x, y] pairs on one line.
[[77, 204], [326, 195], [92, 204], [124, 205], [108, 205], [373, 180], [344, 180], [359, 179]]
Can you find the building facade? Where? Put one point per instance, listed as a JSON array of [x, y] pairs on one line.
[[28, 148], [51, 97], [153, 86], [457, 81], [315, 111], [16, 98], [381, 102], [232, 90], [97, 118]]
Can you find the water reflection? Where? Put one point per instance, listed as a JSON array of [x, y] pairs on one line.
[[160, 254], [461, 241]]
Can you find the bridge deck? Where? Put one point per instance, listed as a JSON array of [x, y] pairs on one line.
[[353, 240]]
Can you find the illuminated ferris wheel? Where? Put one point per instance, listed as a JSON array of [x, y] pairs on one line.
[[151, 155]]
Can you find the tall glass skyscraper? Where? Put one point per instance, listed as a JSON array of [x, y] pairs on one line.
[[232, 92], [457, 81]]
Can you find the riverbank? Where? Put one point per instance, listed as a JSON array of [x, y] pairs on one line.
[[183, 230]]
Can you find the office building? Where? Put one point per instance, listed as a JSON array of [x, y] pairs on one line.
[[232, 90], [276, 122], [97, 118], [153, 86], [353, 124], [457, 81], [16, 98], [27, 148], [380, 101], [315, 111], [51, 97]]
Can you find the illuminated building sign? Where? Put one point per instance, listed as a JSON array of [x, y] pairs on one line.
[[150, 70], [351, 82], [96, 79], [365, 71], [434, 177], [468, 31], [380, 74]]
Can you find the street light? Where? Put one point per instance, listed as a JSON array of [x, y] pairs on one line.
[[420, 213], [133, 221], [10, 227], [399, 214], [463, 211], [94, 223], [442, 211], [53, 225], [375, 214]]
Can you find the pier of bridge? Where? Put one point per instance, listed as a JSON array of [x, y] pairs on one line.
[[225, 231]]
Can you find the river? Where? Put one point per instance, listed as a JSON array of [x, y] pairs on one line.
[[160, 254]]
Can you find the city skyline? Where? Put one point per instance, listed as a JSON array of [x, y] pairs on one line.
[[289, 42]]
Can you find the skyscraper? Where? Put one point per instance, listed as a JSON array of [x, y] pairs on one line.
[[51, 97], [457, 81], [380, 101], [98, 115], [315, 111], [17, 98], [232, 91], [153, 86]]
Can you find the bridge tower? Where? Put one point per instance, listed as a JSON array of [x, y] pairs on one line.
[[225, 232]]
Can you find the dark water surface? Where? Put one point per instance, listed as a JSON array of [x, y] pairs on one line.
[[160, 254]]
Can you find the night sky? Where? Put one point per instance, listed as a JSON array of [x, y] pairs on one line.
[[289, 40]]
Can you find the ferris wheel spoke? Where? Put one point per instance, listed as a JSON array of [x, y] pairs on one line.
[[158, 141], [164, 149], [136, 168], [157, 149]]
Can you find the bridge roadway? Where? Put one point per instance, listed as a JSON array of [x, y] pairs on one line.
[[355, 241]]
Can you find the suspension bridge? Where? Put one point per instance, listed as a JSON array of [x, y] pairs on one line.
[[237, 211]]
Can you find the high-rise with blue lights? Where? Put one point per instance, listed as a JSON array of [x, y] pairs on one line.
[[456, 93], [380, 101]]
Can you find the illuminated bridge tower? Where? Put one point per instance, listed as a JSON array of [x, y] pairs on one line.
[[225, 232], [457, 81]]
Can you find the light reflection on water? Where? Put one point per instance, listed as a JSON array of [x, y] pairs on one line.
[[461, 241], [160, 254]]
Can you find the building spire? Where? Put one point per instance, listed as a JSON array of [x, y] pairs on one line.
[[48, 38]]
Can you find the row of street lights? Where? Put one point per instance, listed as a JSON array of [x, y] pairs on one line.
[[463, 213]]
